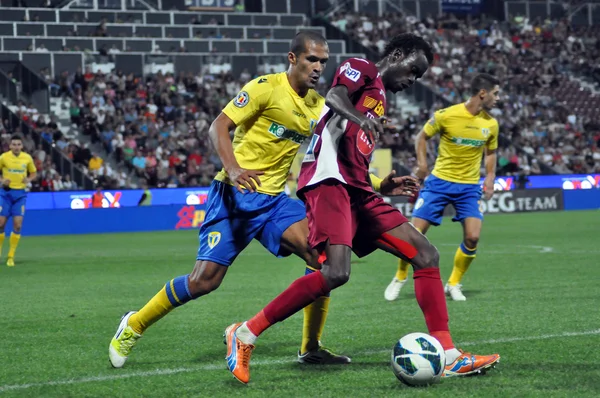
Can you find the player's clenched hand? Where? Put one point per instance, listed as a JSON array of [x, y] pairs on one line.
[[374, 126], [245, 178], [6, 182], [488, 188], [399, 186]]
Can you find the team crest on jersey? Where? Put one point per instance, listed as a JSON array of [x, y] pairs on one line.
[[242, 99], [350, 73], [485, 132], [213, 239], [365, 143]]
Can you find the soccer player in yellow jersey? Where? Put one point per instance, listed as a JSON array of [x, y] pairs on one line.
[[272, 116], [17, 171], [467, 131]]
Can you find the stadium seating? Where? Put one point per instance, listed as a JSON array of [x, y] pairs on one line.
[[539, 72], [200, 60]]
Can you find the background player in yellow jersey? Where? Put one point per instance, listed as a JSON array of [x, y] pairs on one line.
[[466, 131], [272, 116], [18, 171]]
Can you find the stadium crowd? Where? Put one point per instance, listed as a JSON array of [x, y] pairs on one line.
[[544, 116], [156, 127]]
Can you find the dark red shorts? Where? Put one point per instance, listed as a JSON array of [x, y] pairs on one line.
[[349, 216]]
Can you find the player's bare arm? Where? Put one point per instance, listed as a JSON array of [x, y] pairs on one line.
[[421, 150], [490, 173], [337, 99], [219, 135], [29, 178]]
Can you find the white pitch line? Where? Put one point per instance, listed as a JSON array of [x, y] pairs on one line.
[[269, 362]]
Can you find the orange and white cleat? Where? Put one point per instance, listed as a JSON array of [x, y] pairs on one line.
[[468, 364], [238, 354]]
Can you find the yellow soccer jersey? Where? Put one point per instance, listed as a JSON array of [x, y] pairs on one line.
[[15, 168], [462, 138], [272, 122]]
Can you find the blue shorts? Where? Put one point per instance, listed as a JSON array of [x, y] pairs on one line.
[[233, 219], [438, 193], [12, 202]]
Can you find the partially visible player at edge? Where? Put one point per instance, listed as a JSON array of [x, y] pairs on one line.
[[18, 170], [467, 130], [345, 215], [272, 116]]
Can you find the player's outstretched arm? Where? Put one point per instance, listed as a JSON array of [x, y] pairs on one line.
[[219, 135], [338, 100]]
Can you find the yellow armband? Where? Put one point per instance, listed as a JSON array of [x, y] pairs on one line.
[[375, 182]]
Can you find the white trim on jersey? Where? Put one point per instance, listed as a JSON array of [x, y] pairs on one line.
[[327, 162]]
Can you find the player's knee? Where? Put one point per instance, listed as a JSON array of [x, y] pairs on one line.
[[471, 241], [17, 228], [336, 278], [429, 257], [205, 278]]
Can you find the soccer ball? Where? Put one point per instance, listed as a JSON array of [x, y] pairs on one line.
[[418, 359]]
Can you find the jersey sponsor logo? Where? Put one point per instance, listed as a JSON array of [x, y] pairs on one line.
[[467, 142], [298, 114], [310, 151], [213, 239], [379, 109], [16, 171], [242, 99], [365, 143], [282, 132], [350, 73], [369, 102]]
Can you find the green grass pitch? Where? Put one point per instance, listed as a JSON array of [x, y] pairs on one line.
[[532, 295]]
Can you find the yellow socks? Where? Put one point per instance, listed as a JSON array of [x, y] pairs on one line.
[[462, 259], [315, 315], [402, 272], [2, 236], [14, 242], [172, 295]]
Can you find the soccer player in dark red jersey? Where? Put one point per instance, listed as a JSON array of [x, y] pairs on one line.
[[345, 214]]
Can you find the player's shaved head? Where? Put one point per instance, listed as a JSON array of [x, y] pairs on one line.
[[483, 81], [308, 56], [300, 42]]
